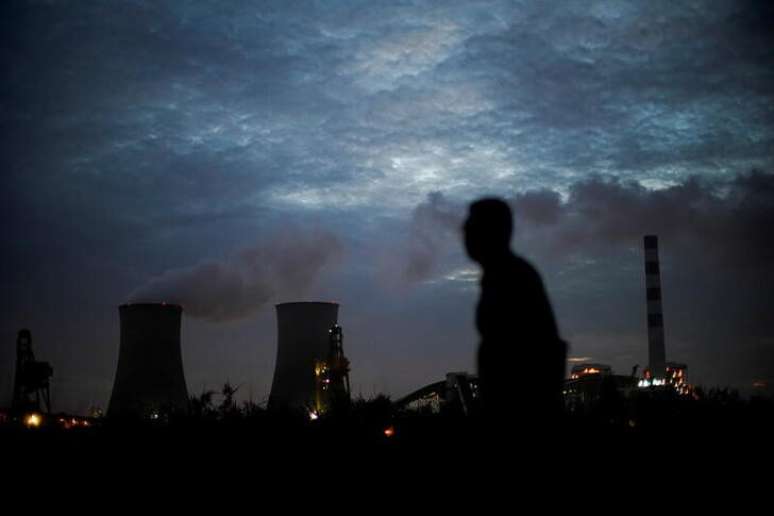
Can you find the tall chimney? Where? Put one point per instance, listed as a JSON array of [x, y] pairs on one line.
[[149, 378], [656, 350], [302, 340]]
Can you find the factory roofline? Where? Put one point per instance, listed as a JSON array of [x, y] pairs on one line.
[[307, 303], [595, 365], [171, 305]]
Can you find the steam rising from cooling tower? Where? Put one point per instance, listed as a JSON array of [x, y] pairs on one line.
[[302, 340], [149, 377], [285, 264]]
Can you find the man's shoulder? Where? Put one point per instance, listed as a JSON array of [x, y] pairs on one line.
[[521, 262], [523, 268], [514, 270]]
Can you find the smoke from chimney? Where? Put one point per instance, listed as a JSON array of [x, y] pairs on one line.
[[286, 264]]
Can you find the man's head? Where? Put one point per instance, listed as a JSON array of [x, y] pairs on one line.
[[488, 230]]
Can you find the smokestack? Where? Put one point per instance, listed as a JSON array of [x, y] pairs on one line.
[[302, 340], [149, 379], [656, 350]]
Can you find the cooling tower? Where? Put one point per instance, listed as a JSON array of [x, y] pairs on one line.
[[302, 339], [656, 349], [149, 379]]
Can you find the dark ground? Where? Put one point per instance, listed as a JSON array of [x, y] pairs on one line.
[[661, 435]]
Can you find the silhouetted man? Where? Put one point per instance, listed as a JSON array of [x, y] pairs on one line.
[[521, 359]]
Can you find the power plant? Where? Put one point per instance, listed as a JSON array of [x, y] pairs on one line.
[[149, 378], [311, 372], [588, 381]]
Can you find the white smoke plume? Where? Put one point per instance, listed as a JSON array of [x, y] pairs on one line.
[[286, 265]]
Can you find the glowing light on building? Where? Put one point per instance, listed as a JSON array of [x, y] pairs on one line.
[[73, 422], [313, 416], [33, 420], [675, 378], [656, 382], [582, 370], [389, 431]]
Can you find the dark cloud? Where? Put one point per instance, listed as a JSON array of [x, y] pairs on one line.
[[720, 221]]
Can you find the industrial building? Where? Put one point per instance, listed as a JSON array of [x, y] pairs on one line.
[[590, 383], [311, 372], [675, 379], [149, 381], [332, 389], [659, 373], [458, 392]]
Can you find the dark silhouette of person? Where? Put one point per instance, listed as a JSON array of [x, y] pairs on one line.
[[521, 358]]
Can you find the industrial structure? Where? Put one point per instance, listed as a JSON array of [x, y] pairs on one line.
[[332, 375], [149, 380], [457, 393], [656, 349], [659, 373], [590, 384], [310, 371], [31, 379], [675, 378]]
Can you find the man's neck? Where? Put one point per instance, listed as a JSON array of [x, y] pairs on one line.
[[497, 261]]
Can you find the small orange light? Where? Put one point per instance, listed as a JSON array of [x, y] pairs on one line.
[[33, 420], [389, 431]]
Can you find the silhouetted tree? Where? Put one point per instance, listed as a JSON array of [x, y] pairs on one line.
[[228, 408], [201, 405]]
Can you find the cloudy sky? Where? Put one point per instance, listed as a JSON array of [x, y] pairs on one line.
[[230, 155]]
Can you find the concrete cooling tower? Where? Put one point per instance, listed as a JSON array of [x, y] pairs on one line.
[[302, 340], [149, 379]]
